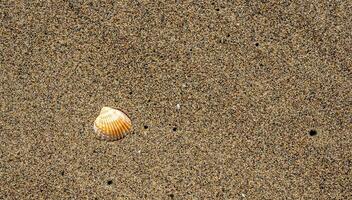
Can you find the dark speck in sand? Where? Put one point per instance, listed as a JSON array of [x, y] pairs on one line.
[[313, 132]]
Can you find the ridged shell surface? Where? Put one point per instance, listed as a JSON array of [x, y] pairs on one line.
[[112, 124]]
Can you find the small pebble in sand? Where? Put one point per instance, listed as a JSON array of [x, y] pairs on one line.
[[178, 106]]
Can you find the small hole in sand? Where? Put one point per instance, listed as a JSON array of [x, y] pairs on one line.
[[313, 132]]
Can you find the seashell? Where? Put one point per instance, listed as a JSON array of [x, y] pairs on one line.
[[112, 124]]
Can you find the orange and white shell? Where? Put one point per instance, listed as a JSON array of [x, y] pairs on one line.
[[112, 124]]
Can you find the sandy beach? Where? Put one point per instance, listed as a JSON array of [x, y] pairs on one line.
[[228, 99]]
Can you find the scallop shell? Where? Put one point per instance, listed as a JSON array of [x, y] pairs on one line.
[[112, 124]]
